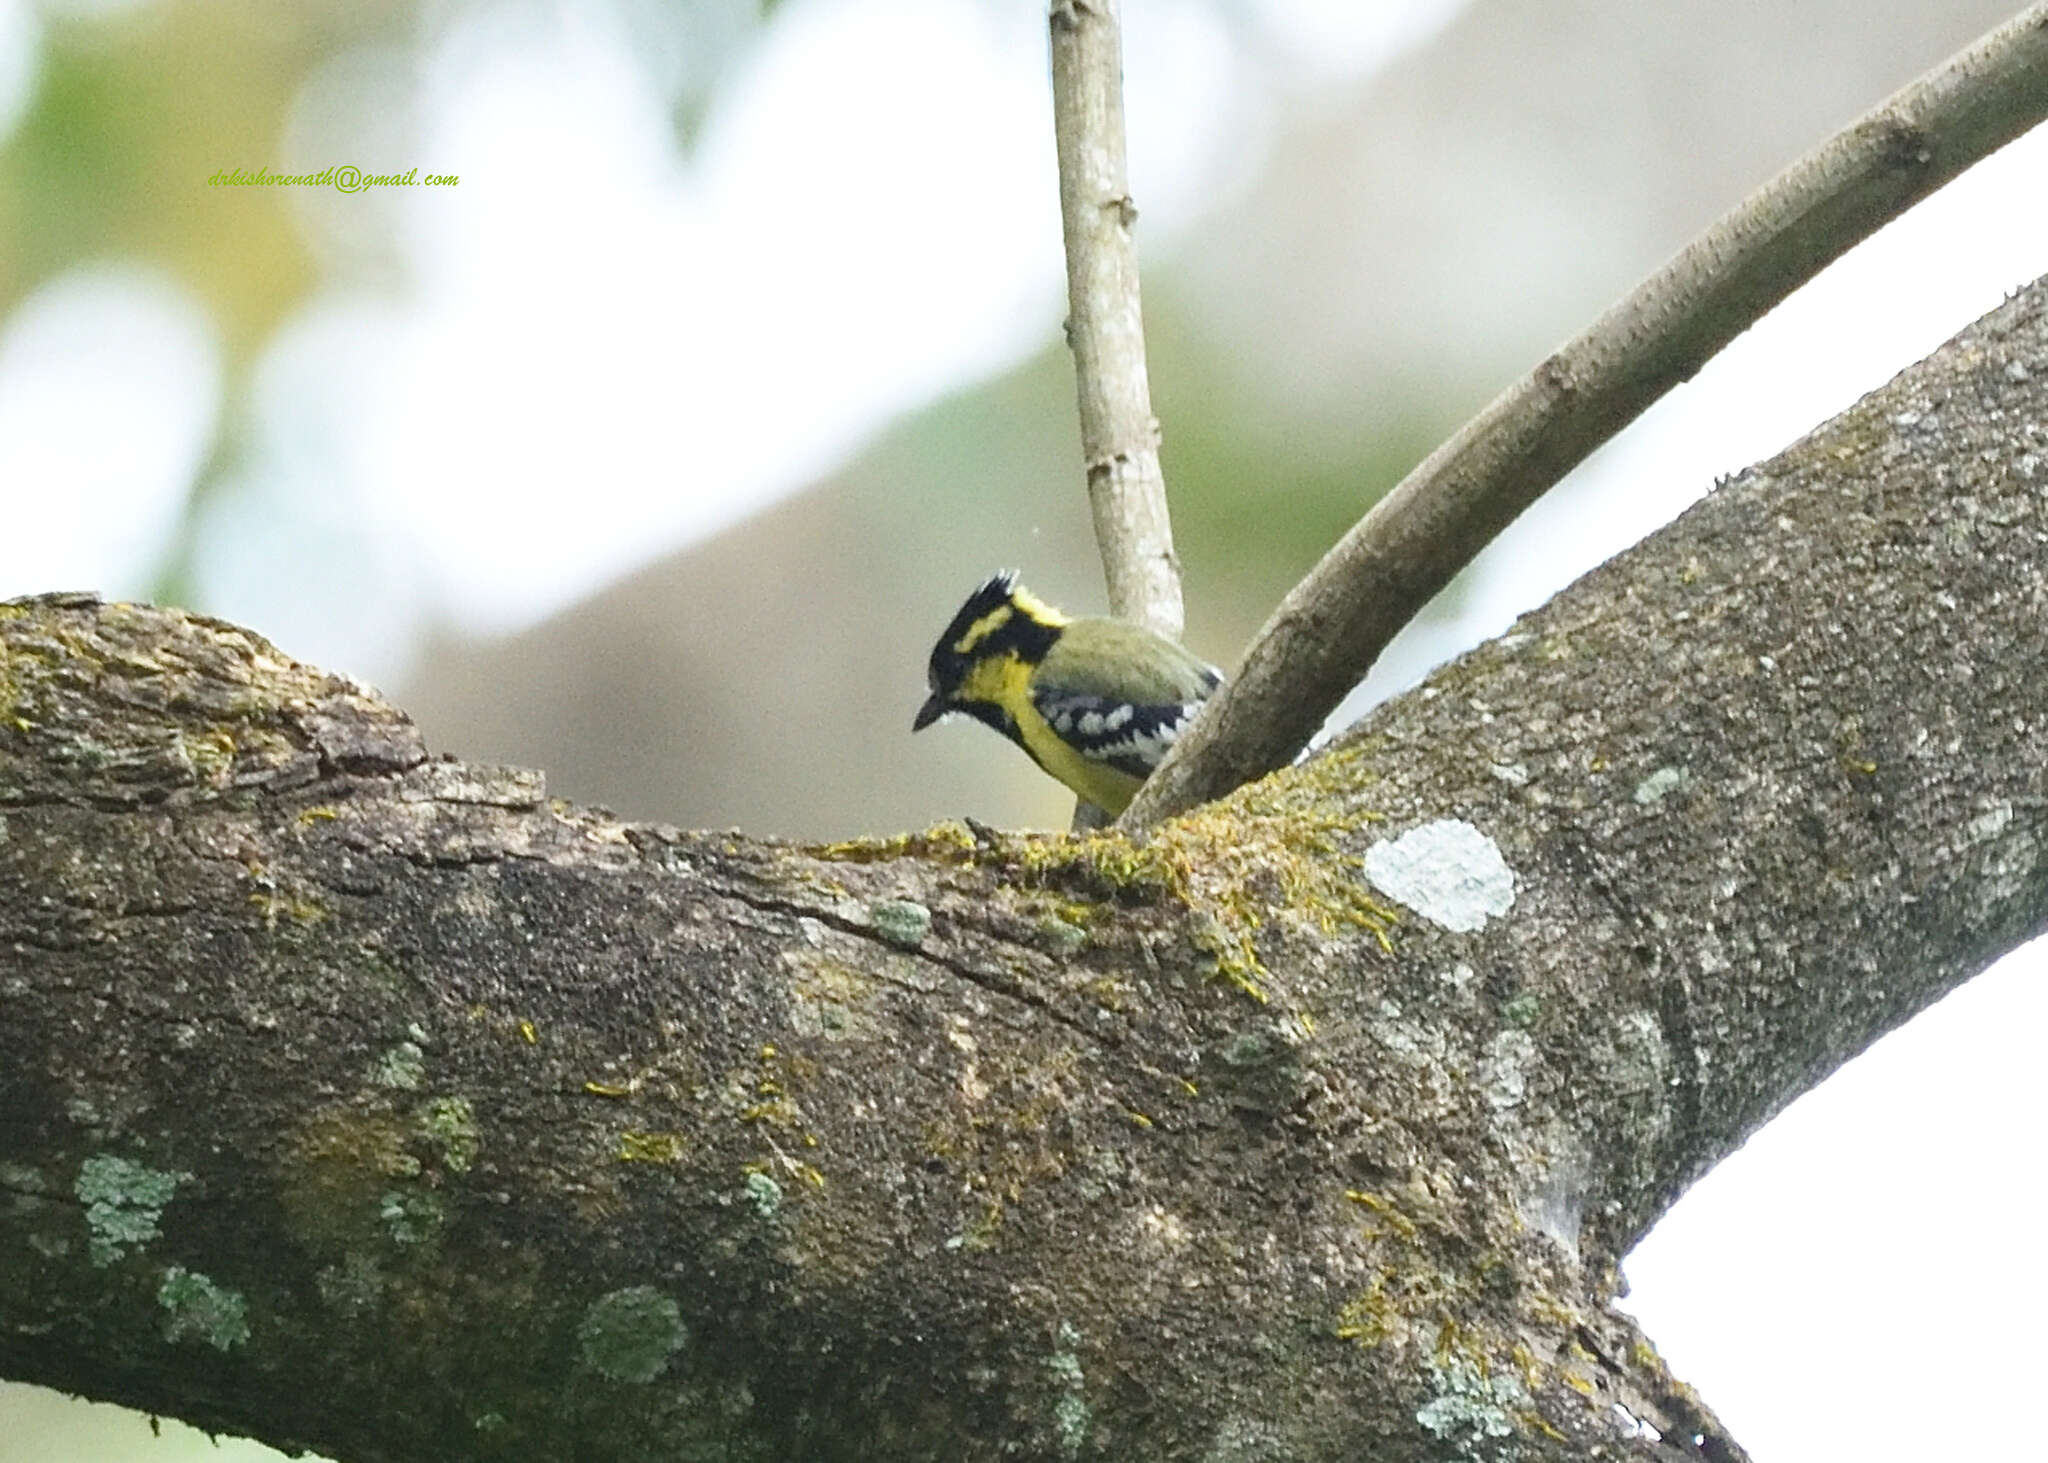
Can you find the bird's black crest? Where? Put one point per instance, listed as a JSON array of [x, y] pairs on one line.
[[990, 595], [980, 628]]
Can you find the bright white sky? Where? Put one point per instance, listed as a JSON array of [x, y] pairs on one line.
[[493, 450], [1834, 1289]]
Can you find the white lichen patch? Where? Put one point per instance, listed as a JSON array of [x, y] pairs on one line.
[[1653, 789], [1447, 871]]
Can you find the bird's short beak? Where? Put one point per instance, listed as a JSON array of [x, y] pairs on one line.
[[934, 707]]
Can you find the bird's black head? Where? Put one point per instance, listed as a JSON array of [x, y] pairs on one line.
[[1000, 617]]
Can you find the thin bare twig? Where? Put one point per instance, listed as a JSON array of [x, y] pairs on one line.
[[1332, 626], [1105, 327]]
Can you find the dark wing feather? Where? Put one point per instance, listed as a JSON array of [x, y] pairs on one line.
[[1129, 737]]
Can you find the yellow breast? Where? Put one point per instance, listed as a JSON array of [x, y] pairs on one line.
[[1005, 681]]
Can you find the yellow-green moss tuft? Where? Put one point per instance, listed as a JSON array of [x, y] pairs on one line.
[[953, 842], [1274, 848], [636, 1146]]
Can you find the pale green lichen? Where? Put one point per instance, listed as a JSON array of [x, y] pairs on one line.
[[411, 1219], [766, 1194], [629, 1335], [902, 922], [201, 1310], [1071, 1415], [451, 1124], [403, 1067], [1474, 1410], [123, 1201]]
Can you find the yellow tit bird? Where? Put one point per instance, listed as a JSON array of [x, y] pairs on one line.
[[1095, 702]]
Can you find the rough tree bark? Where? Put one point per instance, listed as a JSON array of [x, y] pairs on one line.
[[377, 1104]]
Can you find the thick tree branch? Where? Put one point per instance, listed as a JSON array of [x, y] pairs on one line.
[[1331, 627], [383, 1105], [1105, 326]]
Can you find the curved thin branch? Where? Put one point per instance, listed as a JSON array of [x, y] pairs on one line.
[[1105, 327], [1332, 626]]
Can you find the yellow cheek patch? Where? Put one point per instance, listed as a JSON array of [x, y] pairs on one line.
[[1000, 680], [982, 628]]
